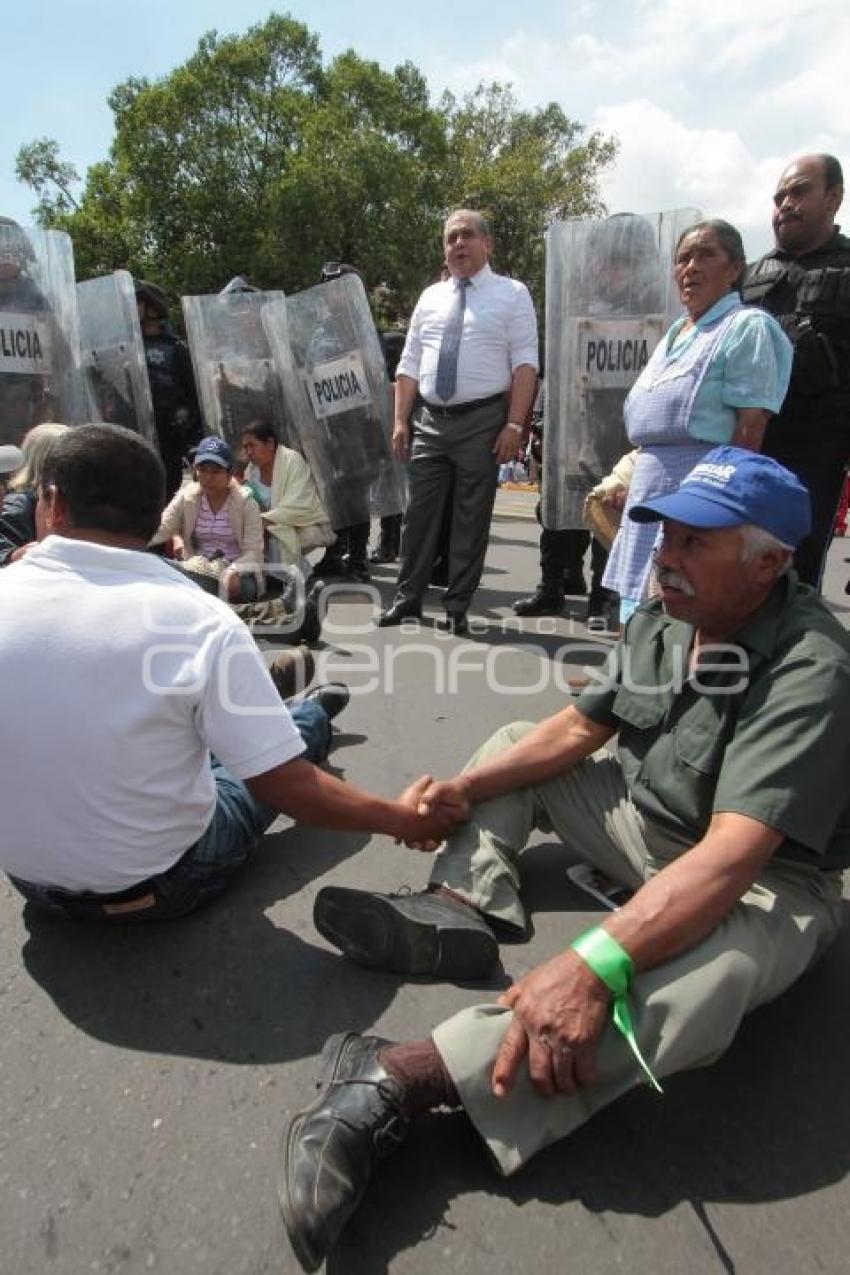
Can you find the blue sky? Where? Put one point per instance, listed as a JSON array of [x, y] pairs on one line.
[[708, 102]]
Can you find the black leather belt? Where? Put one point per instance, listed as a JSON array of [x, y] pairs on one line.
[[459, 409]]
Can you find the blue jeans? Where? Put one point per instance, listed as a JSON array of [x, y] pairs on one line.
[[207, 867]]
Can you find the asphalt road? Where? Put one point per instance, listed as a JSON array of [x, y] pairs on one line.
[[145, 1074]]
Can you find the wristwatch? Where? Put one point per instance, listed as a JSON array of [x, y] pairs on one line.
[[513, 425]]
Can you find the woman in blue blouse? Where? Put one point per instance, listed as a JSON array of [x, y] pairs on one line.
[[717, 376]]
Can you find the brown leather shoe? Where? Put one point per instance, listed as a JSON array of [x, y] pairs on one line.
[[292, 671]]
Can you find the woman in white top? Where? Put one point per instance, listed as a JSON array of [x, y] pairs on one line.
[[215, 525]]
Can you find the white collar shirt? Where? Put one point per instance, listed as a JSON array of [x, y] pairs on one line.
[[499, 335]]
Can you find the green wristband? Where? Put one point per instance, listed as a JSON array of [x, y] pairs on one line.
[[612, 964], [606, 958]]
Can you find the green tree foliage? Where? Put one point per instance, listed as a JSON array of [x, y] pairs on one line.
[[255, 158], [523, 169]]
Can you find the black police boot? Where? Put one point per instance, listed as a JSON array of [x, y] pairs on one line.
[[544, 601]]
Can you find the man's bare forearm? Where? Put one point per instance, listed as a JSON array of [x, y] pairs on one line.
[[551, 748], [309, 795], [406, 390], [523, 392], [684, 902]]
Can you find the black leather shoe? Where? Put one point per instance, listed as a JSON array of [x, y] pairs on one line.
[[454, 622], [406, 933], [332, 696], [328, 1149], [398, 613], [311, 624], [358, 571], [541, 602], [332, 566], [575, 586]]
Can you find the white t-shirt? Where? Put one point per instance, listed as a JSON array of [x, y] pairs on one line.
[[119, 678], [499, 335]]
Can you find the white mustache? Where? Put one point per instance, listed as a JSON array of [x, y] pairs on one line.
[[672, 580]]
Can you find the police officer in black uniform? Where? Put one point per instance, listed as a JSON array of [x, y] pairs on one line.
[[805, 283], [175, 400]]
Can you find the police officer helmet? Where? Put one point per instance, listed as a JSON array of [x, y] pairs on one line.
[[152, 295], [336, 269], [15, 247], [237, 285]]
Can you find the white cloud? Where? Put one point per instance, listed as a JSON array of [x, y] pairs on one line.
[[665, 164], [708, 102]]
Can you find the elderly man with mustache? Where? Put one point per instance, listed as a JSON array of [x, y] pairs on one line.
[[725, 810]]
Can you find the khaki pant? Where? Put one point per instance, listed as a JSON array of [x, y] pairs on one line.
[[686, 1011]]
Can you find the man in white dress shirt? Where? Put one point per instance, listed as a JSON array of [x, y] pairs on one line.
[[464, 387]]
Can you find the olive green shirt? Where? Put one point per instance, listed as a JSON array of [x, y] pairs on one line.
[[761, 728]]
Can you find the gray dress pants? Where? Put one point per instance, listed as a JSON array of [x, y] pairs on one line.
[[451, 456], [686, 1011]]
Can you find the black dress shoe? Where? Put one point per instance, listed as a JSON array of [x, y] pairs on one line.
[[310, 629], [398, 613], [575, 586], [454, 622], [383, 553], [541, 602], [332, 567], [332, 696], [406, 933], [358, 571], [329, 1148]]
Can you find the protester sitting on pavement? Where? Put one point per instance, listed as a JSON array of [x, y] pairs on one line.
[[294, 517], [138, 677], [716, 377], [17, 512], [726, 810], [214, 525]]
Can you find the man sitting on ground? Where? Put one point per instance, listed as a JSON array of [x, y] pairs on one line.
[[128, 677], [726, 810]]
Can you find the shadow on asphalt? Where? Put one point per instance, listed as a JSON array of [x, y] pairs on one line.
[[768, 1122], [227, 983]]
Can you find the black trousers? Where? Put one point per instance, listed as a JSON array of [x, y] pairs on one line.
[[818, 453]]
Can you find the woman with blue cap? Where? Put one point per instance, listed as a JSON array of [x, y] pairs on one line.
[[215, 525]]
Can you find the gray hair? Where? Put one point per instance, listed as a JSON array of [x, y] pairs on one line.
[[729, 238], [479, 220], [37, 446], [755, 540]]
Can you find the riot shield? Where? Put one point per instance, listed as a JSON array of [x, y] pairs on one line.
[[237, 379], [113, 354], [610, 296], [40, 374], [336, 385]]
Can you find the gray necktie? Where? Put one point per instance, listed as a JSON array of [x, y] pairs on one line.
[[450, 344]]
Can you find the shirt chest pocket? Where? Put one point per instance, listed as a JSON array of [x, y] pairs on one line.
[[701, 734]]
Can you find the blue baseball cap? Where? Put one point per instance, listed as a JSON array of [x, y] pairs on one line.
[[213, 451], [730, 487]]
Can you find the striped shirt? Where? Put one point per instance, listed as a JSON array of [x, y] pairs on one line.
[[213, 533]]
